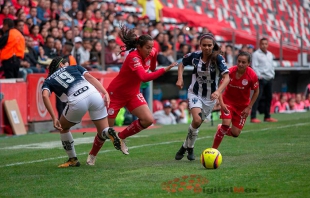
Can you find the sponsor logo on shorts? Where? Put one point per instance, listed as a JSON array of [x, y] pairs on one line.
[[110, 111]]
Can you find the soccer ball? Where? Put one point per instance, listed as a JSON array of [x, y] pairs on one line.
[[211, 158]]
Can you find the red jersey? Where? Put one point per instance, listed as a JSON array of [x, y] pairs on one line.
[[237, 92], [134, 71]]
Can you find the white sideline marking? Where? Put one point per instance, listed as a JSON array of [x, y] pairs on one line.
[[139, 146], [55, 144]]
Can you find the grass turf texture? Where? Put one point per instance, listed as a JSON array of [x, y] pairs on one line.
[[267, 160]]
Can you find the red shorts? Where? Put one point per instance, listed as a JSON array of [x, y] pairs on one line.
[[235, 116], [119, 102]]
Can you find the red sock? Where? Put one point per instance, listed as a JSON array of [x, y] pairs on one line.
[[133, 128], [219, 136], [96, 145], [228, 132]]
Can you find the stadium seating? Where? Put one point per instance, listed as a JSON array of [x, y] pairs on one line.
[[267, 18]]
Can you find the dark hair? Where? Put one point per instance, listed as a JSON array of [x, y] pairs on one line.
[[263, 39], [9, 23], [216, 49], [55, 64], [131, 40], [248, 55]]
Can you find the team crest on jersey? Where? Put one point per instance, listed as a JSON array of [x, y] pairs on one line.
[[194, 100], [245, 82], [110, 111]]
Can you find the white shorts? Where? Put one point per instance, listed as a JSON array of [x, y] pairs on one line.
[[205, 105], [93, 103]]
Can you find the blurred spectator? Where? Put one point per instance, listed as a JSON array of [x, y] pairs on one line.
[[80, 54], [95, 56], [33, 15], [66, 53], [291, 104], [12, 46], [153, 9], [307, 102], [184, 49], [164, 58], [5, 14], [299, 104], [165, 117], [74, 9], [129, 22], [307, 91], [281, 105], [42, 10], [42, 58], [58, 47], [49, 47], [250, 49], [112, 59], [37, 38], [31, 58], [265, 71], [229, 56], [184, 116]]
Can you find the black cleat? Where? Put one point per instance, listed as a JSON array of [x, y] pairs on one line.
[[180, 154], [190, 154], [114, 138]]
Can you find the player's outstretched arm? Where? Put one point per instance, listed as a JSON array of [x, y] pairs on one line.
[[222, 86], [92, 80], [145, 76], [180, 82], [48, 105]]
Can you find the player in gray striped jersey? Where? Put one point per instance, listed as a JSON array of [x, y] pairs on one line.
[[203, 92]]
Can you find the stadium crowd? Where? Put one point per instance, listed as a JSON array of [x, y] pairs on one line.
[[76, 28]]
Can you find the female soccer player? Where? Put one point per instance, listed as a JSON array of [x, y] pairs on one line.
[[202, 93], [124, 89], [80, 90], [235, 102]]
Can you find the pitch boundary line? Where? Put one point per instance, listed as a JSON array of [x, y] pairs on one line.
[[144, 145]]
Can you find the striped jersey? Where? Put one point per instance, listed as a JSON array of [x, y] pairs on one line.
[[69, 84], [205, 76]]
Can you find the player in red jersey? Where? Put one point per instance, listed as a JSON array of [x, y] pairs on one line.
[[124, 90], [235, 101]]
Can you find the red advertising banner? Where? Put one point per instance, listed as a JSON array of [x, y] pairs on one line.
[[36, 108]]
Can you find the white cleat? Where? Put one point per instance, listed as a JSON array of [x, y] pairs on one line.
[[124, 147], [91, 159]]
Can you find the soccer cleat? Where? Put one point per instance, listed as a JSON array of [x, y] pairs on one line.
[[124, 147], [72, 162], [114, 138], [270, 120], [91, 159], [180, 154], [255, 120], [190, 154]]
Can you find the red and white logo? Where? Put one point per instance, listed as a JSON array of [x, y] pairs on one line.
[[245, 82], [110, 111]]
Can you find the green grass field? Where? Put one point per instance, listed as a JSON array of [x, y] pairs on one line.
[[267, 160]]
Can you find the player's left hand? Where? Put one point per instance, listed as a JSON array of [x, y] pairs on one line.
[[215, 95], [57, 124], [245, 113]]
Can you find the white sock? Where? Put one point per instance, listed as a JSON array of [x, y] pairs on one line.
[[186, 140], [192, 136], [68, 144], [105, 134]]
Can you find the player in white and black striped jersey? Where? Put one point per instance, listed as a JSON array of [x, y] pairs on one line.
[[203, 92]]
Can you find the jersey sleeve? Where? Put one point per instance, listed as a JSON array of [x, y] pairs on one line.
[[255, 83], [187, 59], [46, 86], [221, 64], [145, 76], [81, 69]]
